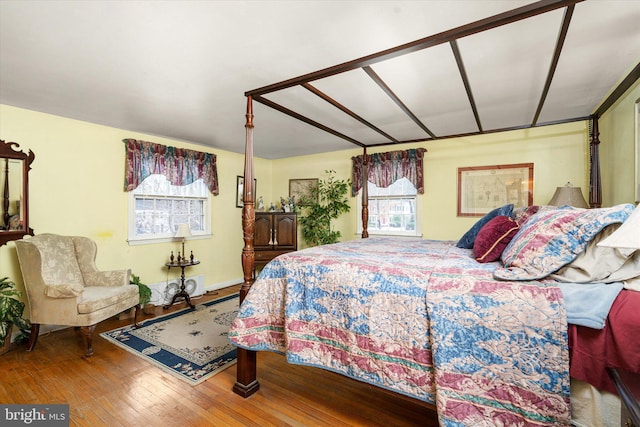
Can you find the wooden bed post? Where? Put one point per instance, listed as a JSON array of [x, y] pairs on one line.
[[595, 183], [365, 195], [246, 378]]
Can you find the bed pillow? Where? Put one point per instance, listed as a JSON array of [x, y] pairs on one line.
[[522, 215], [493, 238], [552, 239], [467, 240], [595, 263]]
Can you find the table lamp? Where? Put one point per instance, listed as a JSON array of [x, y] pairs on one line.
[[568, 195], [627, 235], [183, 232]]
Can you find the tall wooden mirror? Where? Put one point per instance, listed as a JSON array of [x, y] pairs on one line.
[[14, 190]]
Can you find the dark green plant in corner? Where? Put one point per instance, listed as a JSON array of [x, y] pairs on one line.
[[144, 290], [327, 201], [11, 309]]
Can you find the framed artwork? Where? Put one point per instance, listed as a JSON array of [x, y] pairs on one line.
[[484, 188], [300, 188], [240, 190]]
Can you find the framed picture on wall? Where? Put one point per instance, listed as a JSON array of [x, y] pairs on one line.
[[301, 189], [240, 190], [484, 188]]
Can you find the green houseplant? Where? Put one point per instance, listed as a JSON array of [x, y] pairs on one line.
[[145, 295], [11, 310], [326, 202], [143, 290]]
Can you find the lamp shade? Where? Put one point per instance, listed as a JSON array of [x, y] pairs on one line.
[[568, 195], [628, 235], [183, 231]]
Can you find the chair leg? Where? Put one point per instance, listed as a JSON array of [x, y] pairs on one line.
[[33, 336], [88, 334], [135, 316]]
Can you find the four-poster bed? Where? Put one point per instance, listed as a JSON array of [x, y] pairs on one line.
[[247, 382]]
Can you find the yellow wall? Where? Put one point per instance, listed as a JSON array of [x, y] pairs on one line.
[[559, 154], [617, 153], [76, 187], [314, 166]]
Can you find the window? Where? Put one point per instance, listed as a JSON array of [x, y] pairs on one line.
[[157, 208], [392, 210]]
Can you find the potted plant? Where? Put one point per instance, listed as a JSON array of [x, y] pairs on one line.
[[327, 201], [145, 294], [11, 310]]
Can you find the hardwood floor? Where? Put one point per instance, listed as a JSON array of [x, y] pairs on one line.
[[116, 388]]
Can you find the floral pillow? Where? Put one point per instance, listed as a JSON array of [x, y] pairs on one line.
[[522, 215], [551, 239]]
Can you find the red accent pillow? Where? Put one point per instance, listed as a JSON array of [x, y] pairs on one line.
[[493, 237]]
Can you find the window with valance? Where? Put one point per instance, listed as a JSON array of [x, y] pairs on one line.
[[179, 165], [394, 180], [168, 186], [387, 168]]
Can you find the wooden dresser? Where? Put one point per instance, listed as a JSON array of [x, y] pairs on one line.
[[276, 233]]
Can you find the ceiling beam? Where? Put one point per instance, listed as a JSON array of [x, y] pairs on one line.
[[485, 132], [564, 29], [625, 84], [498, 20], [305, 119], [465, 81], [376, 78], [345, 110]]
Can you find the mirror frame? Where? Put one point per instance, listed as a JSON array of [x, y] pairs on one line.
[[8, 150]]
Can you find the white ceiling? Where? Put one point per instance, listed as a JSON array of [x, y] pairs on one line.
[[179, 69]]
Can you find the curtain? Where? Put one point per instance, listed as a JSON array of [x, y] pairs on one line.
[[179, 165], [387, 168]]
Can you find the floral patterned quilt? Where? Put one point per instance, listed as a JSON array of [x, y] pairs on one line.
[[421, 318]]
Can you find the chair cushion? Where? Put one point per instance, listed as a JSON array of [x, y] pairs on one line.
[[59, 264], [95, 298], [63, 291]]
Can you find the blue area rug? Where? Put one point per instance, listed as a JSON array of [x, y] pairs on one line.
[[189, 344]]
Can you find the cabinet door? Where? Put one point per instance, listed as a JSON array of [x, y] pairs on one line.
[[262, 237], [286, 231]]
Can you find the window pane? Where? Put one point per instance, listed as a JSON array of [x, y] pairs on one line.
[[394, 214], [161, 207], [392, 210]]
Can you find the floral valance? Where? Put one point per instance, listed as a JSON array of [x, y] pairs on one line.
[[179, 165], [387, 168]]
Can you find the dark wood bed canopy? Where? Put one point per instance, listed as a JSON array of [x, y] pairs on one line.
[[247, 382]]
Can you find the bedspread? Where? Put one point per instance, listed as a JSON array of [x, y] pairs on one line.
[[421, 318]]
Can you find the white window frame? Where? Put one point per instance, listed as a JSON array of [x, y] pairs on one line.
[[133, 239], [417, 232]]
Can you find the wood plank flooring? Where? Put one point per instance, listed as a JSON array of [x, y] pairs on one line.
[[115, 388]]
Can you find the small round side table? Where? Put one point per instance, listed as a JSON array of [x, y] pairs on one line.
[[182, 293]]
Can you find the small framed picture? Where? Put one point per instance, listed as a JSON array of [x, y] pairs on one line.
[[484, 188], [301, 189], [240, 190]]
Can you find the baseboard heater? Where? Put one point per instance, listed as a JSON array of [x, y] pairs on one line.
[[163, 292]]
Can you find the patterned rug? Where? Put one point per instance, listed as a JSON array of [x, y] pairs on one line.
[[190, 344]]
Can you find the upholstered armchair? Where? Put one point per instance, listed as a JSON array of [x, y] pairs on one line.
[[64, 287]]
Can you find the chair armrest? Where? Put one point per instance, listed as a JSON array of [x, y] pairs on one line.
[[63, 290], [107, 278]]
